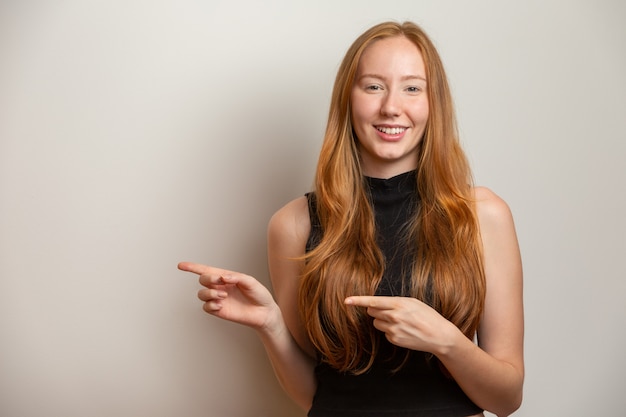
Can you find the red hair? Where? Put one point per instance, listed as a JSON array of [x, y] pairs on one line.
[[444, 232]]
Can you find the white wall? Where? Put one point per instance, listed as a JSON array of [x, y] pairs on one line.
[[135, 134]]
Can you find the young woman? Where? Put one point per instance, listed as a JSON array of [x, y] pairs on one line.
[[398, 285]]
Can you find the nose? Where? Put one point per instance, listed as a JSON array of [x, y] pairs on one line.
[[390, 106]]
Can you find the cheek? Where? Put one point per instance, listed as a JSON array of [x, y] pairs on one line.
[[425, 109], [363, 107], [355, 109], [420, 113], [357, 122]]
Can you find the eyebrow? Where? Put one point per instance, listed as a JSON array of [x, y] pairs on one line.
[[403, 78]]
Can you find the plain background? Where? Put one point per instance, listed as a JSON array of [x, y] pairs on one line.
[[137, 134]]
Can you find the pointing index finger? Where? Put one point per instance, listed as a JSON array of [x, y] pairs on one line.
[[369, 301], [198, 269]]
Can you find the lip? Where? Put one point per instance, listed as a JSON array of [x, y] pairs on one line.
[[391, 137]]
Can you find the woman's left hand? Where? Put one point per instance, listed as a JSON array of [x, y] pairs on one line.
[[408, 322]]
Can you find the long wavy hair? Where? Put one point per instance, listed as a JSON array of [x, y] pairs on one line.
[[443, 236]]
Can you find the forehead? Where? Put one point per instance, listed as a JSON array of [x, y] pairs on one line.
[[390, 56]]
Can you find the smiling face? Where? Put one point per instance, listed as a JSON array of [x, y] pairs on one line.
[[389, 104]]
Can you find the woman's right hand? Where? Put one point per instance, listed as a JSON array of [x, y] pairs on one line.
[[234, 296]]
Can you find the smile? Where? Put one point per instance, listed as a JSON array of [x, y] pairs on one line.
[[391, 130]]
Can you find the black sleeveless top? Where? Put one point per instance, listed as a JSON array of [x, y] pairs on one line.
[[419, 388]]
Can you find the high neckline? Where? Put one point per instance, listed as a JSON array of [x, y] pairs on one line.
[[405, 181]]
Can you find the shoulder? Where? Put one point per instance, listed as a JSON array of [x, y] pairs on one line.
[[491, 210], [291, 224], [497, 230], [498, 235]]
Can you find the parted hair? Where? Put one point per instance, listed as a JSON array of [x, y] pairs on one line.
[[443, 235]]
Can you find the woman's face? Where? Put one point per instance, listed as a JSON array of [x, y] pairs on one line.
[[389, 106]]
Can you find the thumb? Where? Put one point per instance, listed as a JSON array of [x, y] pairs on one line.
[[243, 281]]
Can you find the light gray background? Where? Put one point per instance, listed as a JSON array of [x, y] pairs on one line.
[[136, 134]]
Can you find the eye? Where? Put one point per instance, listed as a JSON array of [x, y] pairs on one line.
[[373, 87], [414, 89]]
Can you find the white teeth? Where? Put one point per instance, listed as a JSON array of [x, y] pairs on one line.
[[391, 130]]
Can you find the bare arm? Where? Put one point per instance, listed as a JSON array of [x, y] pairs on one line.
[[287, 234], [492, 373]]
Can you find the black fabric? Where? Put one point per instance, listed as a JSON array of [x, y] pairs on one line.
[[419, 388]]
